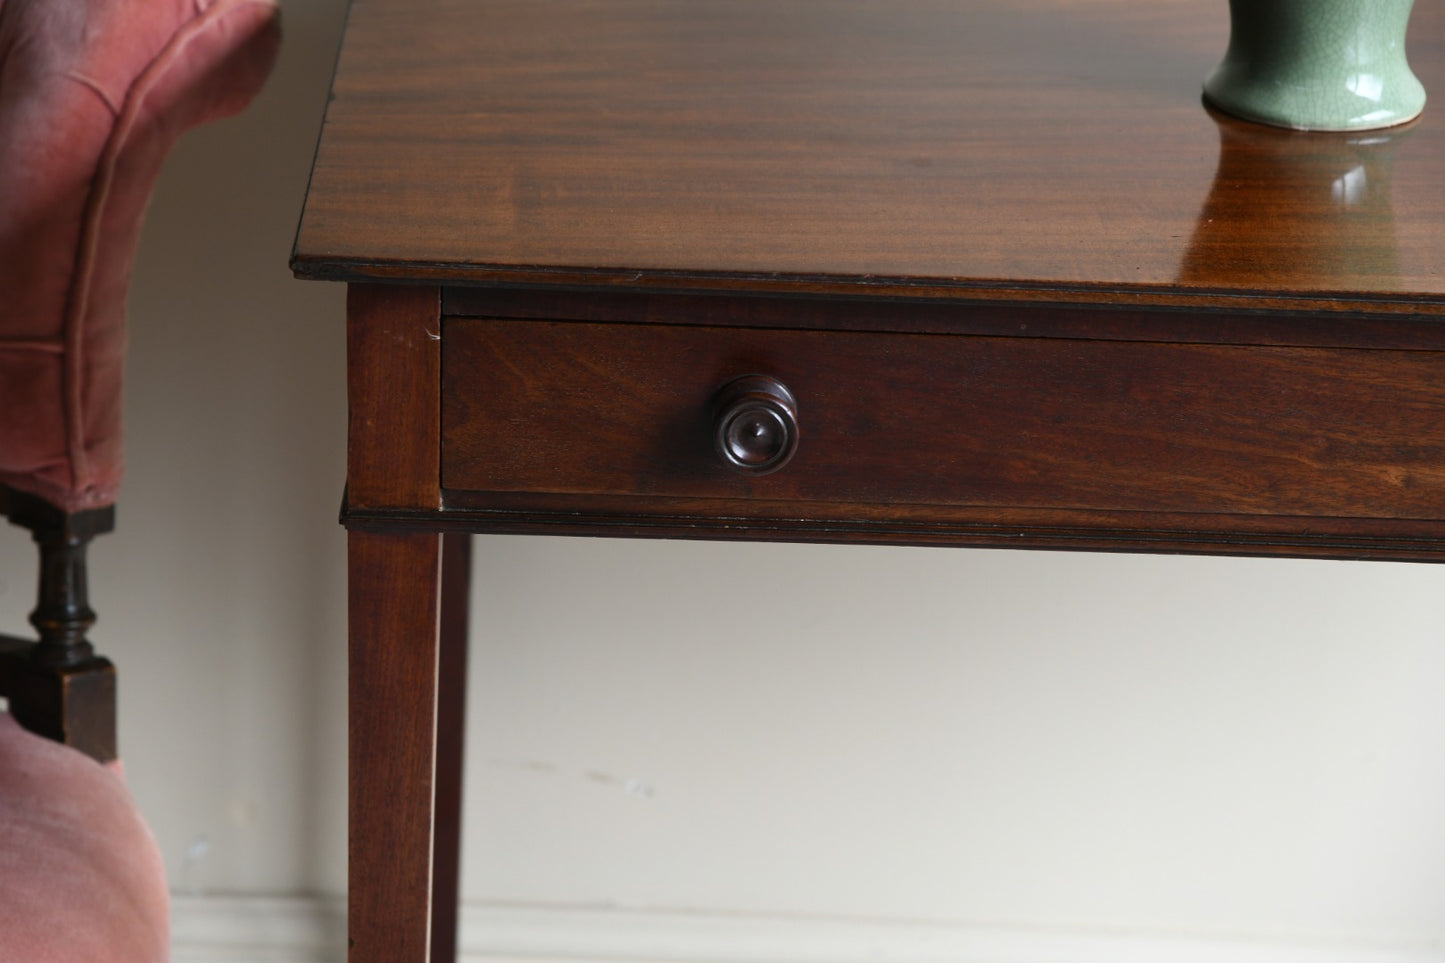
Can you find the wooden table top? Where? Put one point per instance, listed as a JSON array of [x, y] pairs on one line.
[[1048, 149]]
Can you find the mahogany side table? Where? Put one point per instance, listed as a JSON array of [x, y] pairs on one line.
[[909, 271]]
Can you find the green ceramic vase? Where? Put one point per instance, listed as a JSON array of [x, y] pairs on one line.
[[1318, 64]]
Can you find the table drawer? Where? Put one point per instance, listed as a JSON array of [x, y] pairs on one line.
[[887, 420]]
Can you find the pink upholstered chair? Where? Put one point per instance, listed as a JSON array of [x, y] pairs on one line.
[[93, 93]]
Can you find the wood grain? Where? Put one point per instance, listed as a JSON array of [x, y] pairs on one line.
[[974, 149], [1302, 322], [451, 744], [903, 419], [393, 352], [1026, 290], [1292, 536], [394, 587]]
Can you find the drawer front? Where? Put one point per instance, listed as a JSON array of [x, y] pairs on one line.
[[889, 420]]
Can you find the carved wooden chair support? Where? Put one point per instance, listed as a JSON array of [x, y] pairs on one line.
[[57, 686]]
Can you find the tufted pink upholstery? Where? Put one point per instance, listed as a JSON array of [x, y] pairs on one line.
[[93, 93]]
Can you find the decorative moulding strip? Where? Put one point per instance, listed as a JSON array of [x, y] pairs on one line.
[[238, 929]]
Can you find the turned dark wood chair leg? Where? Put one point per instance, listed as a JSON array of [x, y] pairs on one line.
[[57, 686]]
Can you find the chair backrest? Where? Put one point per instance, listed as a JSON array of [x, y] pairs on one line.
[[93, 93]]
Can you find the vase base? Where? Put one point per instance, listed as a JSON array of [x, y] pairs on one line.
[[1267, 111]]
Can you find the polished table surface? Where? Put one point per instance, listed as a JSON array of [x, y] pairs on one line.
[[1012, 281], [983, 148]]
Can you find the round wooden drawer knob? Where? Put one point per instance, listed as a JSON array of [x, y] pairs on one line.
[[756, 426]]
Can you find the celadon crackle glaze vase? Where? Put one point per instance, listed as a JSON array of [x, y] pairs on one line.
[[1318, 64]]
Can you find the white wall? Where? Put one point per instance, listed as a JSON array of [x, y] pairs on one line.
[[1226, 747], [922, 746]]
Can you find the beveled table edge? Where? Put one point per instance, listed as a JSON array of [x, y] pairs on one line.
[[1054, 293]]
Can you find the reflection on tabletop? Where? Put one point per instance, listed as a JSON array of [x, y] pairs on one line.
[[1336, 188]]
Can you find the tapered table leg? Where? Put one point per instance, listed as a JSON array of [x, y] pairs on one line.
[[451, 726], [394, 620]]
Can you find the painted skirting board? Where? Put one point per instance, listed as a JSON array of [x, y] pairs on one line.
[[238, 929], [257, 929]]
